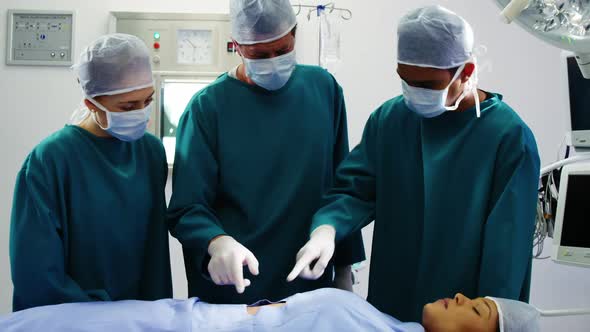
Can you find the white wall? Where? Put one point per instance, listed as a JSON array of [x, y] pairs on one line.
[[38, 101]]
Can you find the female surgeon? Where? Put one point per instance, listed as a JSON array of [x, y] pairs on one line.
[[88, 216]]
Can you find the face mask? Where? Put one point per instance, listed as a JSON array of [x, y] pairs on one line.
[[430, 103], [271, 74], [125, 126]]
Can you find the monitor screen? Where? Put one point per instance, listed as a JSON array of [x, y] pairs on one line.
[[576, 219], [579, 90]]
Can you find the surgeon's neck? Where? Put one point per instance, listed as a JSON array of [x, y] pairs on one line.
[[241, 75], [92, 127], [469, 101]]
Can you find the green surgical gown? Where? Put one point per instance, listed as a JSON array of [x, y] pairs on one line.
[[254, 164], [453, 199], [88, 221]]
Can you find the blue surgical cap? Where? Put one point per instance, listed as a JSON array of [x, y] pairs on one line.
[[515, 316], [114, 64], [434, 37], [261, 21]]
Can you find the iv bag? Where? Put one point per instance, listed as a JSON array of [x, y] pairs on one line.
[[330, 42]]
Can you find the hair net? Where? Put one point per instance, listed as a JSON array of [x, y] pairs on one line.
[[261, 21], [434, 37], [515, 316], [114, 64]]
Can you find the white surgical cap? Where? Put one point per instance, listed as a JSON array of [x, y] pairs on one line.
[[515, 316], [261, 21], [434, 37], [114, 64]]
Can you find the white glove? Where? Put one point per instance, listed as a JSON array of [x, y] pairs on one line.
[[320, 247], [228, 258]]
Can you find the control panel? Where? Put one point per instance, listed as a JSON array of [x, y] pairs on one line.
[[182, 43], [40, 38]]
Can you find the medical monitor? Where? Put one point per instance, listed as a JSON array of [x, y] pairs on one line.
[[571, 241], [579, 103]]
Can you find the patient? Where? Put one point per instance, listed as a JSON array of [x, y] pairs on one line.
[[480, 315], [320, 310]]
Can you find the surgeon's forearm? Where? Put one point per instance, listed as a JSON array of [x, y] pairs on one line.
[[346, 215], [343, 278]]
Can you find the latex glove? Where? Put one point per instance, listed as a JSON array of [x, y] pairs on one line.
[[319, 248], [228, 258]]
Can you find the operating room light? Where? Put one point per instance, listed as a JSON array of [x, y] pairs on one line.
[[570, 16], [562, 23]]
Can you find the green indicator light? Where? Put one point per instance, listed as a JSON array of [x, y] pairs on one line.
[[157, 35]]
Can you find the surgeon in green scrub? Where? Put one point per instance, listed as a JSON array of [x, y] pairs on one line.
[[89, 211], [448, 172], [256, 150]]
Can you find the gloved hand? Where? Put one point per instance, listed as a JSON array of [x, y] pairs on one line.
[[228, 258], [320, 247]]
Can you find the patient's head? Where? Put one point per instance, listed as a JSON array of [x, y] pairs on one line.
[[480, 315], [461, 314]]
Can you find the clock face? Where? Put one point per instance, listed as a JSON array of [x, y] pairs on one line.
[[195, 47]]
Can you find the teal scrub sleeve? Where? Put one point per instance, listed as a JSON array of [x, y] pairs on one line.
[[191, 217], [508, 234], [351, 250], [37, 248], [350, 204]]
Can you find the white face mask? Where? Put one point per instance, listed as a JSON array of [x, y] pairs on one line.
[[271, 74], [125, 126], [430, 103]]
